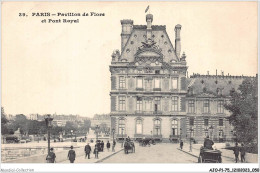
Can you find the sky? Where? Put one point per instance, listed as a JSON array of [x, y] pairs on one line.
[[63, 68]]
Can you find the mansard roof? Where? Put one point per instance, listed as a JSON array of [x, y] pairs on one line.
[[215, 85], [159, 36]]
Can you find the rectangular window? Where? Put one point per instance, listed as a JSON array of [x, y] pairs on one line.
[[220, 122], [139, 104], [174, 83], [220, 134], [121, 82], [122, 103], [139, 82], [206, 106], [157, 127], [157, 105], [191, 121], [174, 103], [139, 127], [121, 127], [191, 107], [206, 122], [157, 83], [148, 105], [220, 107], [148, 85]]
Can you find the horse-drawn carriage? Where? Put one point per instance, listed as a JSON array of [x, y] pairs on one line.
[[129, 146], [146, 141], [209, 156]]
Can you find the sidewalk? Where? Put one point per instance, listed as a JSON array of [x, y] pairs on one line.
[[80, 156]]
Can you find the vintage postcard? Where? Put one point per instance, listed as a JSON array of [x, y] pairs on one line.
[[86, 84]]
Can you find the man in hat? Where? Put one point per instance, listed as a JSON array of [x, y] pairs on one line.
[[113, 146], [96, 151], [236, 152], [181, 144], [208, 143], [242, 153], [87, 151], [71, 155], [108, 145], [52, 156]]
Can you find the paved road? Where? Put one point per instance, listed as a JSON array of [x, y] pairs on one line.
[[159, 153]]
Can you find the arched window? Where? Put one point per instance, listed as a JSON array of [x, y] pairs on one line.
[[157, 127], [121, 126], [139, 126], [174, 127]]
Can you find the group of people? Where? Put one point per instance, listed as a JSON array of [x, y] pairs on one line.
[[242, 151], [99, 147]]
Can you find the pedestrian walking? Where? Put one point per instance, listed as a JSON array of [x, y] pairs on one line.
[[113, 146], [181, 145], [87, 151], [108, 145], [71, 155], [51, 157], [102, 146], [96, 152], [236, 152], [242, 153]]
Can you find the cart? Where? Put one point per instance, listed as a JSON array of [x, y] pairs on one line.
[[209, 156]]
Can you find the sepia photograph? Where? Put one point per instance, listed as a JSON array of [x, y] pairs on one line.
[[112, 83]]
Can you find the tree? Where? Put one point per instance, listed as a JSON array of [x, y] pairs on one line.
[[4, 121], [70, 126], [86, 126], [21, 122], [244, 110]]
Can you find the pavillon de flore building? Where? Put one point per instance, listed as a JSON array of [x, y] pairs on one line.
[[152, 95]]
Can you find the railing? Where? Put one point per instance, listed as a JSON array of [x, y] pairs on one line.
[[147, 112], [121, 136], [139, 89], [157, 112], [150, 89], [157, 89], [157, 136], [138, 112], [175, 136], [138, 135]]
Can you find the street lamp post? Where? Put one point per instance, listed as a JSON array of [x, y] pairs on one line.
[[122, 130], [211, 132], [113, 132], [180, 134], [97, 128], [190, 139], [48, 121]]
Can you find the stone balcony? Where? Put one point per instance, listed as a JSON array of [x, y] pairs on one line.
[[157, 112], [139, 89], [157, 136], [121, 135], [174, 136]]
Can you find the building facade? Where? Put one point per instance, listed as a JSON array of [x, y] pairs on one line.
[[152, 96]]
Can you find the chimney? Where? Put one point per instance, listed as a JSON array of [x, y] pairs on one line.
[[178, 40], [127, 27], [149, 20]]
